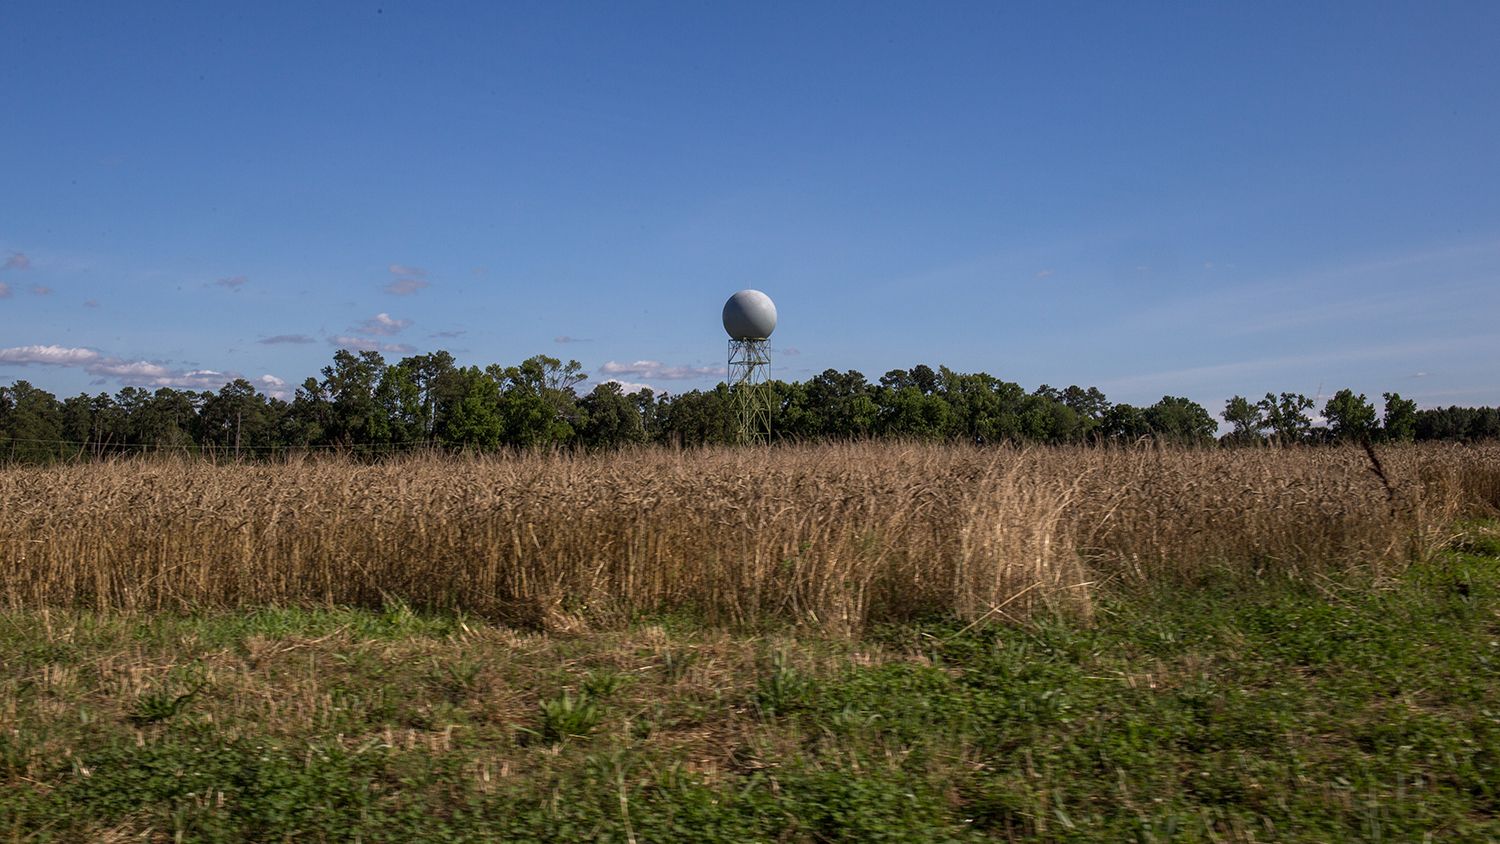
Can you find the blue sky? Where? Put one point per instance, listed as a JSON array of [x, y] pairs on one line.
[[1188, 199]]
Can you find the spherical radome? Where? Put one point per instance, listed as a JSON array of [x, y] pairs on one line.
[[750, 315]]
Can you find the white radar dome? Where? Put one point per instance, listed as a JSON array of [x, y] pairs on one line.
[[750, 315]]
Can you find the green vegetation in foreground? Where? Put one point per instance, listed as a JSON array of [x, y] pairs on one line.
[[1272, 711]]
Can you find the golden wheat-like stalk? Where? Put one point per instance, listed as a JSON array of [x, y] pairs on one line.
[[835, 535]]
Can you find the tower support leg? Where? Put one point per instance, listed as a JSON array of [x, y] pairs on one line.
[[750, 384]]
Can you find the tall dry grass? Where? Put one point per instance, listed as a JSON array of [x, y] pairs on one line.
[[832, 535]]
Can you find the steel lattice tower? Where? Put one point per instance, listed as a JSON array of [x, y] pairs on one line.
[[750, 384]]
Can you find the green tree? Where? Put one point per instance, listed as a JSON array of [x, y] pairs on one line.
[[92, 424], [649, 407], [474, 420], [537, 400], [1350, 418], [910, 413], [354, 417], [841, 405], [31, 422], [984, 409], [790, 415], [166, 419], [311, 416], [132, 402], [1246, 419], [1090, 404], [435, 377], [399, 397], [1125, 423], [1286, 417], [1180, 420], [1400, 422], [921, 378], [698, 418], [1044, 418], [610, 418], [1464, 424], [236, 420]]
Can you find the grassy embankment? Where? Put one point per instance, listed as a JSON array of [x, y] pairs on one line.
[[1323, 672]]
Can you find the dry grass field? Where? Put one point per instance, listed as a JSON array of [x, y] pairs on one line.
[[834, 536]]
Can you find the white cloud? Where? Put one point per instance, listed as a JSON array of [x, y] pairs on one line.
[[365, 337], [1045, 273], [655, 369], [197, 379], [274, 387], [406, 286], [408, 280], [48, 355], [131, 372], [17, 261], [128, 369], [382, 325], [628, 387], [367, 344], [457, 332], [563, 338]]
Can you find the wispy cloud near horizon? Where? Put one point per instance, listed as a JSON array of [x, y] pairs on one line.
[[1365, 288], [17, 261], [408, 280], [1277, 367], [368, 335], [628, 387], [655, 369], [406, 286], [369, 344], [282, 339], [124, 372], [383, 325]]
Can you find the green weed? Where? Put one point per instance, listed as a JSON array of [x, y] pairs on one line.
[[566, 717], [1285, 709]]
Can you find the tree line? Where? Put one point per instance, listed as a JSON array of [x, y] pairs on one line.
[[362, 404]]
